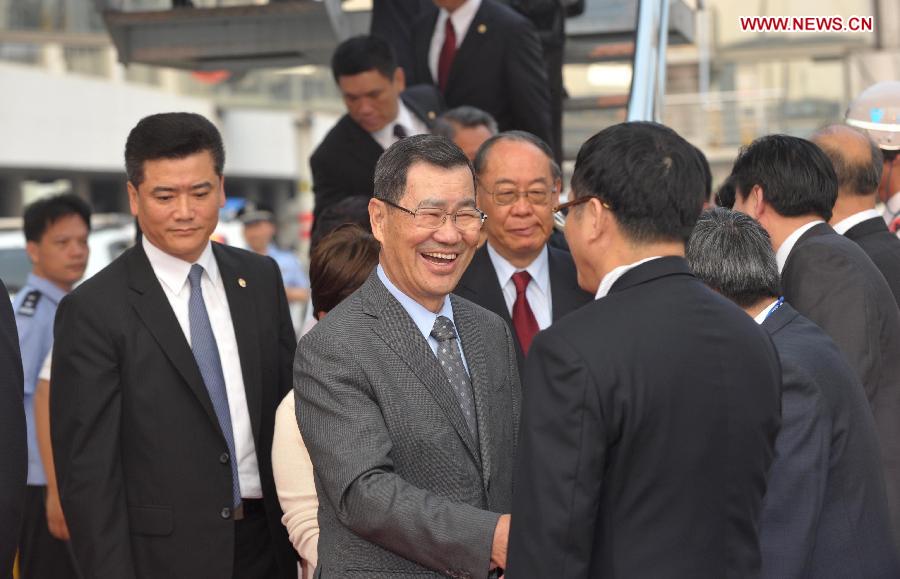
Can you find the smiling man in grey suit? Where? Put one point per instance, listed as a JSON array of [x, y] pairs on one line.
[[408, 397]]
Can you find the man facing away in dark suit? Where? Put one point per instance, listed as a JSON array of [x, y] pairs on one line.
[[408, 396], [634, 459], [14, 456], [789, 186], [168, 366], [486, 55], [825, 510], [516, 274], [858, 162], [380, 111]]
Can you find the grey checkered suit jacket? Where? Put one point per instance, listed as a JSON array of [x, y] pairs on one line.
[[404, 489]]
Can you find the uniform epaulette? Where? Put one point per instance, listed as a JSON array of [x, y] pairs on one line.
[[29, 304]]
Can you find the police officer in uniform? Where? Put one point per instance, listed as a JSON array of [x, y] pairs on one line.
[[56, 232]]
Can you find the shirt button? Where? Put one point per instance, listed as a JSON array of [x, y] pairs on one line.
[[223, 458], [226, 513]]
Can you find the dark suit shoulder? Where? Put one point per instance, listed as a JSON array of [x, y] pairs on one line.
[[425, 101], [336, 139], [503, 15]]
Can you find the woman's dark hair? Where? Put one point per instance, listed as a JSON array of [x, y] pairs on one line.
[[339, 264]]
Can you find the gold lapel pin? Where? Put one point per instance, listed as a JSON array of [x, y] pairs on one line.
[[482, 28], [242, 282], [432, 115]]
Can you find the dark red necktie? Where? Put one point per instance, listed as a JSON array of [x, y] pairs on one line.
[[524, 322], [448, 51]]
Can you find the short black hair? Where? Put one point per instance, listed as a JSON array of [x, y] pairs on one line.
[[731, 253], [707, 173], [44, 212], [479, 164], [855, 176], [171, 136], [650, 177], [362, 54], [464, 116], [393, 165], [795, 175]]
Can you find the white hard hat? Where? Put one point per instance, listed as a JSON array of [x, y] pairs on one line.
[[877, 110]]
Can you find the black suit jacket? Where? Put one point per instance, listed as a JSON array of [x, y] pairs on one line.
[[882, 247], [825, 511], [13, 449], [497, 68], [344, 162], [831, 281], [479, 284], [648, 427], [142, 464]]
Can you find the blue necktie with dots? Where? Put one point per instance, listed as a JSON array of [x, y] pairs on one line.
[[450, 357], [206, 353]]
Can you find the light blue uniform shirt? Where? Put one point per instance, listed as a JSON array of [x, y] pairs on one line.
[[291, 269], [422, 317], [35, 308]]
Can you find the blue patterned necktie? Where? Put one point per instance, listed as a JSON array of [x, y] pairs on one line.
[[206, 353], [450, 357]]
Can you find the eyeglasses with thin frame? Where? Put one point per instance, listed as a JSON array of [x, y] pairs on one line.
[[468, 219], [579, 201], [538, 197]]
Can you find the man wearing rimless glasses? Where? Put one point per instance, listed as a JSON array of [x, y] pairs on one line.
[[516, 274], [407, 396]]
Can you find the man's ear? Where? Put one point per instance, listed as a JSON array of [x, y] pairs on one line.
[[758, 197], [31, 248], [132, 198], [377, 217], [400, 79]]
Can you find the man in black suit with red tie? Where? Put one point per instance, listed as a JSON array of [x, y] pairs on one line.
[[634, 460], [380, 111], [486, 55], [858, 163], [516, 274]]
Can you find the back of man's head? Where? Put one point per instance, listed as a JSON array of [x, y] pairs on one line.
[[732, 254], [856, 159], [795, 176], [650, 177], [362, 54], [44, 212], [171, 136]]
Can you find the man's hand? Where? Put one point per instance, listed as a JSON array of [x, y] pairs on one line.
[[501, 538], [57, 522]]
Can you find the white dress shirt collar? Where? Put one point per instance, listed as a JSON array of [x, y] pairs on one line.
[[892, 208], [781, 256], [172, 271], [406, 119], [846, 224], [539, 269], [462, 19], [612, 277], [421, 316], [761, 316]]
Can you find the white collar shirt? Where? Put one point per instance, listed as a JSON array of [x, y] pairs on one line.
[[172, 274], [761, 316], [412, 124], [781, 256], [538, 291], [612, 277], [892, 208], [848, 223], [462, 19]]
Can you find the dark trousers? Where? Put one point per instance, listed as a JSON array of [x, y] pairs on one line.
[[254, 550], [41, 555]]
